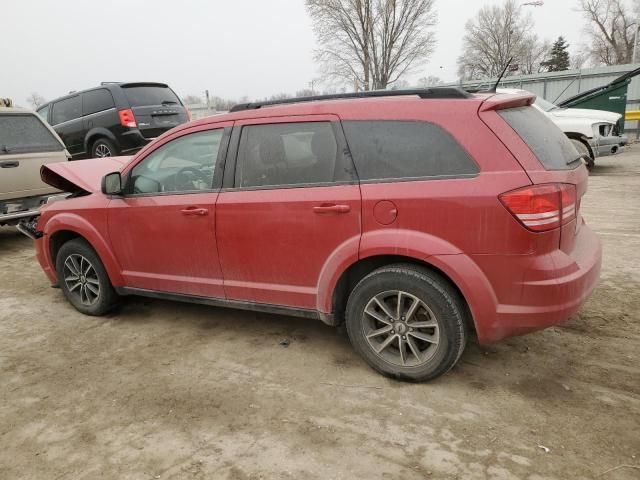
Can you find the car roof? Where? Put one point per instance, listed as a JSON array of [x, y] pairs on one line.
[[16, 110], [108, 86]]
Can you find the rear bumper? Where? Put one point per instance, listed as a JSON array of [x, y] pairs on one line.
[[554, 287], [12, 211]]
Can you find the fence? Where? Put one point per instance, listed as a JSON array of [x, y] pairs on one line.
[[558, 86]]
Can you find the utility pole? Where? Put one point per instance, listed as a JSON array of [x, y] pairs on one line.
[[634, 58], [206, 93]]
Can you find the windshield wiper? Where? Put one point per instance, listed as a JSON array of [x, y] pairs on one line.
[[580, 157], [168, 102]]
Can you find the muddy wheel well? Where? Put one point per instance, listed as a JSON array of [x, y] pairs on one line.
[[58, 239], [581, 138], [356, 272]]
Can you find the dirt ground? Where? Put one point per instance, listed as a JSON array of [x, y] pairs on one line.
[[161, 390]]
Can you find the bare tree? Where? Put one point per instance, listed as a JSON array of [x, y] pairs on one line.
[[429, 81], [611, 29], [372, 42], [496, 34], [35, 100]]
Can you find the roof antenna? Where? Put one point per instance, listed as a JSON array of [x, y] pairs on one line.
[[504, 70]]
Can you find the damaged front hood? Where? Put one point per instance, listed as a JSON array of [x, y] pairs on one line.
[[81, 175]]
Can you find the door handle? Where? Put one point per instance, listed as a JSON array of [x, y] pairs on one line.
[[194, 211], [9, 164], [332, 209]]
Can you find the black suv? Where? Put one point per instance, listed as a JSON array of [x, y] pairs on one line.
[[114, 118]]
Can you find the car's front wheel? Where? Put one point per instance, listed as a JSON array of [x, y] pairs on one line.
[[407, 322], [83, 279]]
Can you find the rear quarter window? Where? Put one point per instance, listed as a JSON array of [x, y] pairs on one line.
[[547, 142], [25, 134], [97, 101], [400, 150]]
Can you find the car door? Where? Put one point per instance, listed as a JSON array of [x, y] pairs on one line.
[[26, 144], [66, 118], [293, 202], [163, 228]]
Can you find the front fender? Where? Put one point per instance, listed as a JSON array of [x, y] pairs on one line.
[[72, 222]]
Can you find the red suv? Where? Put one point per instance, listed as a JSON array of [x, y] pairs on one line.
[[416, 217]]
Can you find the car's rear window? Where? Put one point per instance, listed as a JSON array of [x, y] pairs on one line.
[[144, 95], [25, 134], [544, 138]]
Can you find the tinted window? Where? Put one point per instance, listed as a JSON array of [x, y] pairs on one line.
[[289, 154], [65, 110], [185, 164], [544, 138], [25, 134], [401, 150], [44, 112], [150, 95], [96, 101]]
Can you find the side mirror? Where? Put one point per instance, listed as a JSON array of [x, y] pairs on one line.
[[112, 184]]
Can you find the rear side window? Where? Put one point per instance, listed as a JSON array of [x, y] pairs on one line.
[[96, 101], [400, 150], [141, 96], [544, 138], [44, 112], [25, 134], [67, 109], [290, 154]]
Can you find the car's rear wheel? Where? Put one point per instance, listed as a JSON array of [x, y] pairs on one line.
[[103, 148], [585, 152], [407, 322], [83, 279]]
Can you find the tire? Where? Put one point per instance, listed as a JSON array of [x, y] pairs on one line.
[[103, 148], [83, 279], [584, 150], [433, 348]]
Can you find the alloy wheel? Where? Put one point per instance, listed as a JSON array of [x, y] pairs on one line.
[[81, 279], [102, 151], [401, 328]]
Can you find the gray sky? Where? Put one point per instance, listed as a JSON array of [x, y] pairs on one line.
[[232, 47]]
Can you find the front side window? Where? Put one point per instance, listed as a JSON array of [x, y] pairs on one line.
[[67, 109], [186, 164], [404, 150], [97, 101], [25, 134], [289, 154]]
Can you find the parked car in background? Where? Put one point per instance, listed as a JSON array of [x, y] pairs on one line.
[[594, 133], [26, 143], [114, 118], [416, 218]]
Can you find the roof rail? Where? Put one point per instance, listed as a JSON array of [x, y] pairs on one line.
[[436, 92]]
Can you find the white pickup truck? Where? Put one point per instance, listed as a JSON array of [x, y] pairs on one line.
[[26, 143], [594, 133]]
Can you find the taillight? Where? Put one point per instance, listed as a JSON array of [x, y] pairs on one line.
[[127, 118], [542, 207]]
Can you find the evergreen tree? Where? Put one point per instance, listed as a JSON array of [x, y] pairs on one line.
[[558, 56]]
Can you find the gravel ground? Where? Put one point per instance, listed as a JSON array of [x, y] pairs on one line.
[[161, 390]]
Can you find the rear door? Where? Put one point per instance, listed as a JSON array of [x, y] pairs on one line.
[[66, 118], [292, 203], [163, 228], [25, 145], [155, 106], [99, 112]]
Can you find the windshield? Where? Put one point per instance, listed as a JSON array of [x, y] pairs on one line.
[[544, 105]]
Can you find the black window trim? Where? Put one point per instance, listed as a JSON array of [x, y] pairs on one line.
[[217, 174], [230, 177], [461, 176]]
